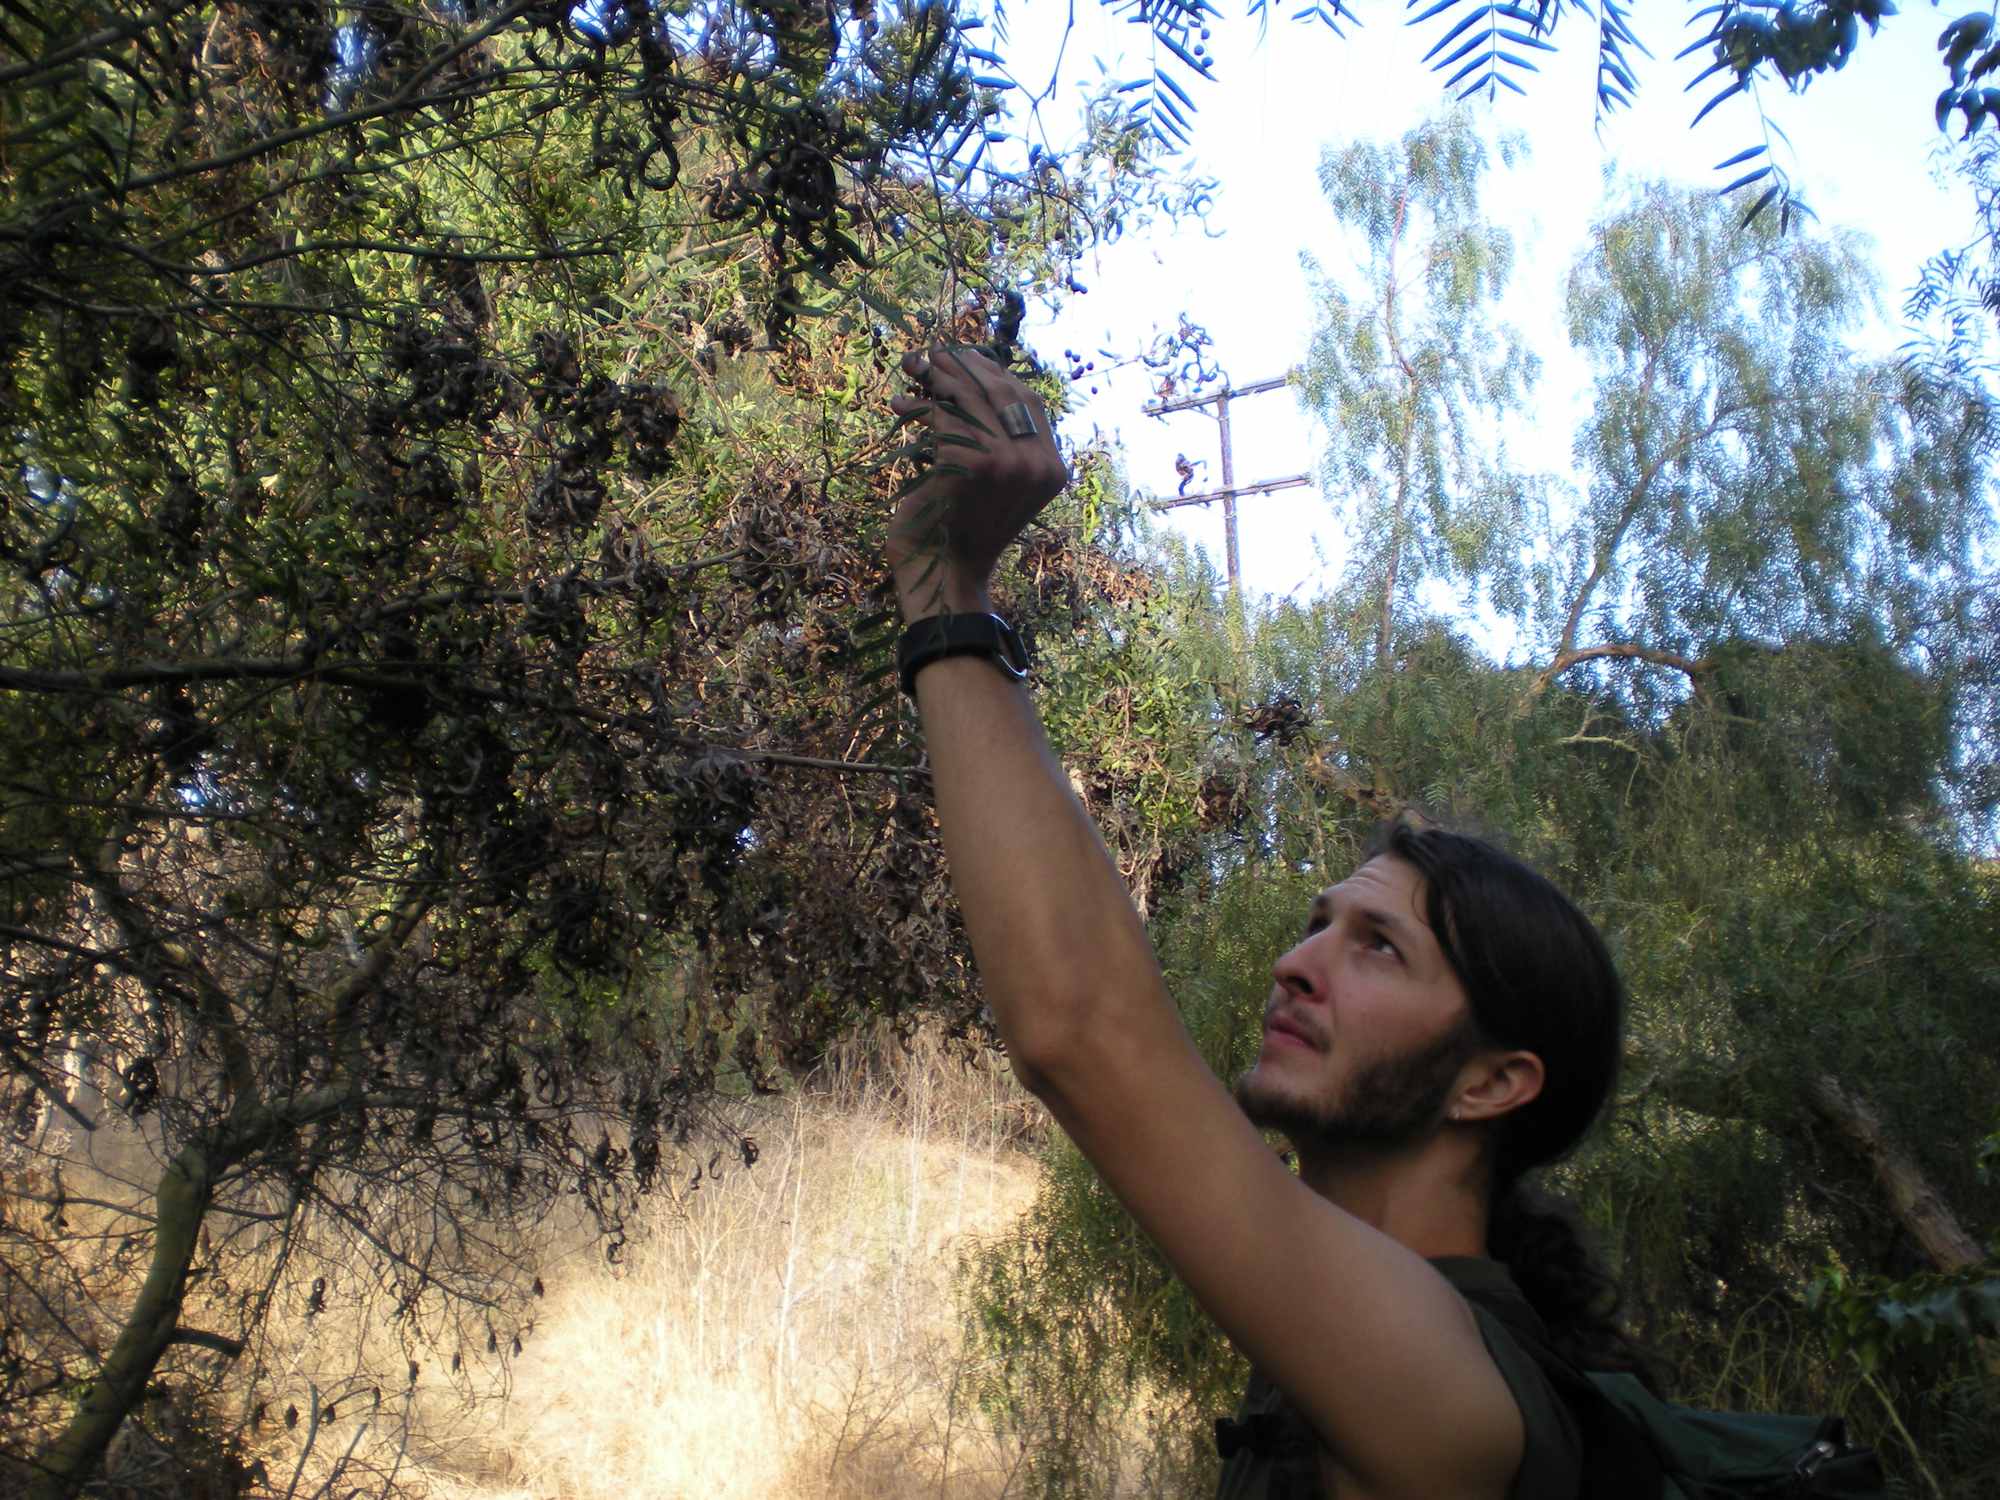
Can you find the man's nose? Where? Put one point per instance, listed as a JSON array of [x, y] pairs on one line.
[[1292, 973]]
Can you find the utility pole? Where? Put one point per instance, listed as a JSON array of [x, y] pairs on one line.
[[1229, 492]]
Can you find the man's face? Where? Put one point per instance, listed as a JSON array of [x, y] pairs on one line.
[[1367, 1026]]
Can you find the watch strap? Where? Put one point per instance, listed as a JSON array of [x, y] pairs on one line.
[[938, 636]]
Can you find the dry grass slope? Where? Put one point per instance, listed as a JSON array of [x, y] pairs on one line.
[[791, 1331], [794, 1330]]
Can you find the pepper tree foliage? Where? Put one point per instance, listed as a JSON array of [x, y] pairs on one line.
[[447, 754], [1748, 721], [1953, 307], [1480, 47]]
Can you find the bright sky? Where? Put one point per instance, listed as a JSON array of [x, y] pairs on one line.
[[1863, 148]]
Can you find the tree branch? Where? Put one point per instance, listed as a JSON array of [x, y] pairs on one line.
[[1692, 667], [183, 1197], [202, 1339], [41, 864], [1916, 1203], [1919, 1207], [155, 958], [407, 99], [97, 41], [62, 945], [396, 675], [26, 1068]]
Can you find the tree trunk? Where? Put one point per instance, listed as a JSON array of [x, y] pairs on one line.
[[183, 1198], [1919, 1207]]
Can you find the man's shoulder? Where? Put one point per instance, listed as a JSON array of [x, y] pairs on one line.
[[1552, 1450], [1270, 1452]]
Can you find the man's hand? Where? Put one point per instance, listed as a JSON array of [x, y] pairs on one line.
[[985, 483]]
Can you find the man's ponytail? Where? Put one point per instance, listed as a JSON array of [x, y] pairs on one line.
[[1537, 1237]]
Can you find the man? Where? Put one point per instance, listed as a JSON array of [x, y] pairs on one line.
[[1446, 1021]]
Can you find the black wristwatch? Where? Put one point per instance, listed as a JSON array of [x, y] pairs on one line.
[[940, 636]]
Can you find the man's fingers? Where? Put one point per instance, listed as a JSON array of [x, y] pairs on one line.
[[974, 368], [960, 397], [956, 370]]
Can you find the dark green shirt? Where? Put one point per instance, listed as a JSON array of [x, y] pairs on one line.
[[1277, 1456]]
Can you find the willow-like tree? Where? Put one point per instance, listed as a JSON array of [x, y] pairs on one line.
[[1409, 370], [1744, 474]]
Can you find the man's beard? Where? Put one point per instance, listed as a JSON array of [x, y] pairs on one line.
[[1390, 1103]]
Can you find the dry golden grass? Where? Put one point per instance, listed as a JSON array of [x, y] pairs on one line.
[[791, 1330]]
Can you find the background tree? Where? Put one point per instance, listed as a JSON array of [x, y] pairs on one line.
[[1407, 377], [1748, 476]]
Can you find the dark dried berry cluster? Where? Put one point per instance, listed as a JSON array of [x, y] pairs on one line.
[[651, 418], [1281, 717], [428, 483], [791, 181], [557, 369], [1219, 802], [152, 350], [732, 333], [451, 378], [183, 509], [583, 415], [298, 38], [569, 493]]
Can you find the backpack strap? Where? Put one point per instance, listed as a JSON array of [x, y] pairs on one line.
[[1258, 1432], [1618, 1459]]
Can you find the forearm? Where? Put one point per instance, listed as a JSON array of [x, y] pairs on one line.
[[1061, 952], [1060, 949]]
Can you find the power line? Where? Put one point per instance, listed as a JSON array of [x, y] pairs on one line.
[[1261, 487], [1230, 492]]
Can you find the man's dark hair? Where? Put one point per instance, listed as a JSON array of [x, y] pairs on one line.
[[1537, 977]]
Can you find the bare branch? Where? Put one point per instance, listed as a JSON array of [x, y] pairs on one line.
[[1692, 667], [26, 1068], [202, 1339]]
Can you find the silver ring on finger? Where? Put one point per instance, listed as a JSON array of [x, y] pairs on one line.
[[1018, 420]]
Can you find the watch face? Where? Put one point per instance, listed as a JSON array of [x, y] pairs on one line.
[[1012, 654]]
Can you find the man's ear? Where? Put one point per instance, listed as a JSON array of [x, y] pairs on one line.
[[1496, 1084]]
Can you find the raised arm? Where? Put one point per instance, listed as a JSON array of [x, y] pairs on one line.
[[1362, 1334]]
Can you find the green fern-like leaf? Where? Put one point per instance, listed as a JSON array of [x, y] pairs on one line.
[[1180, 28]]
